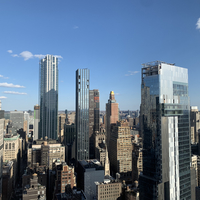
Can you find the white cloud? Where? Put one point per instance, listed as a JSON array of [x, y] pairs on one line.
[[1, 76], [198, 24], [12, 92], [3, 97], [26, 55], [9, 51], [58, 56], [39, 56], [117, 93], [130, 73], [11, 85], [15, 55], [75, 27]]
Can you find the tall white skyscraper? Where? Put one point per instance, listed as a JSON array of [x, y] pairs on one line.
[[48, 97], [165, 129]]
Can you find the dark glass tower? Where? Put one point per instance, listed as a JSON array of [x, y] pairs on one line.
[[93, 119], [165, 114], [82, 113], [48, 97]]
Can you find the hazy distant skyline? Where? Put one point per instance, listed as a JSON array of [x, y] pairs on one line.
[[111, 38]]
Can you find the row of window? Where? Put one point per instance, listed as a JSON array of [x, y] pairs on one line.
[[13, 146]]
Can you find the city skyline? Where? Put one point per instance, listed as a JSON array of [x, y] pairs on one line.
[[112, 39]]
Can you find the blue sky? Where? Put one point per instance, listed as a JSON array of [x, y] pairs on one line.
[[112, 38]]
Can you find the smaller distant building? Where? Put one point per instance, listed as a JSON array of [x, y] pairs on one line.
[[108, 189], [7, 183], [34, 190], [71, 194], [36, 121], [17, 118], [137, 162], [64, 176], [88, 173], [45, 152]]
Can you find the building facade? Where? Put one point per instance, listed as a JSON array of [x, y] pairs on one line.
[[48, 97], [165, 130], [93, 119], [64, 176], [108, 190], [45, 153], [82, 113], [17, 118], [36, 121], [120, 151], [194, 124], [112, 115]]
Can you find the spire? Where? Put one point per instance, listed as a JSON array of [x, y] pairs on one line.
[[112, 95], [107, 164]]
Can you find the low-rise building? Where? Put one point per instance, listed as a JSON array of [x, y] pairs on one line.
[[8, 180], [88, 173], [34, 190], [108, 189], [46, 152]]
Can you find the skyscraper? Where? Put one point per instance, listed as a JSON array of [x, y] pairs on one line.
[[26, 119], [93, 119], [82, 113], [36, 121], [17, 118], [165, 114], [48, 97], [112, 115]]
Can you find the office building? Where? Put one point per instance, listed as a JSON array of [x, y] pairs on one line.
[[17, 118], [48, 97], [120, 150], [35, 190], [11, 152], [82, 113], [45, 152], [112, 115], [165, 131], [61, 123], [7, 180], [88, 173], [64, 176], [1, 112], [93, 119], [194, 124], [36, 121], [108, 189], [26, 119]]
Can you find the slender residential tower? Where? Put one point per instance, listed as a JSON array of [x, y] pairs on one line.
[[165, 130], [48, 97], [93, 119], [82, 113]]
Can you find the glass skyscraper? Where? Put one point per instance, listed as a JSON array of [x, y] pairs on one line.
[[82, 113], [48, 97], [165, 115]]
